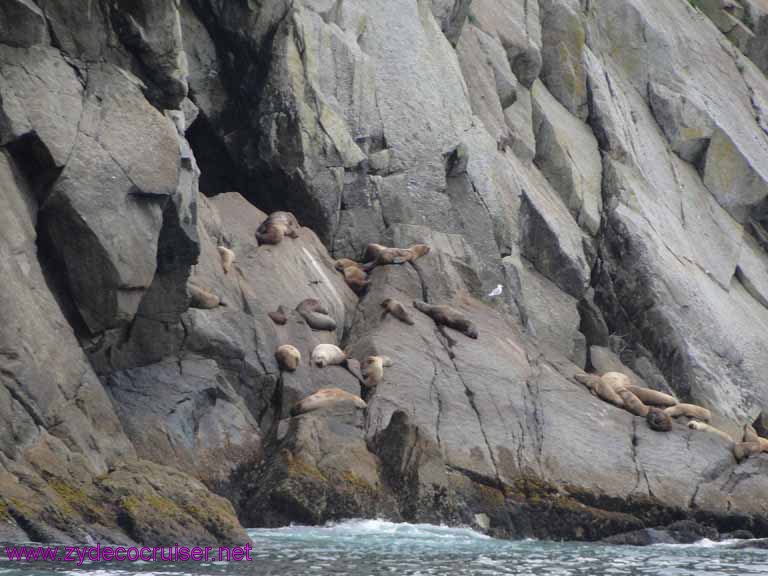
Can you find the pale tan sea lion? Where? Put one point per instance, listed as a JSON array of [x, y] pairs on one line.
[[328, 355], [751, 435], [743, 450], [701, 426], [658, 420], [227, 258], [373, 369], [202, 298], [599, 388], [632, 403], [616, 380], [316, 315], [327, 398], [652, 397], [392, 306], [447, 316], [276, 227], [689, 410], [378, 255], [288, 357]]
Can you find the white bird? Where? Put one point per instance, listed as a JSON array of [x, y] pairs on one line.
[[496, 291]]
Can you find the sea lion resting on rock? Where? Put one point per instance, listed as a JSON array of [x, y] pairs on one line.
[[327, 398], [658, 420], [632, 403], [600, 388], [743, 450], [276, 227], [373, 369], [750, 435], [316, 315], [356, 279], [227, 258], [343, 263], [392, 306], [652, 397], [447, 316], [202, 298], [288, 357], [328, 355], [378, 255], [279, 316], [689, 410], [694, 425]]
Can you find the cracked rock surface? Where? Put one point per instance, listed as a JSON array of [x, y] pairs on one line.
[[605, 161]]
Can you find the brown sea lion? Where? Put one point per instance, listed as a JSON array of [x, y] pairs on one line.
[[328, 355], [378, 255], [276, 227], [392, 306], [447, 316], [690, 411], [288, 357], [373, 369], [316, 315], [701, 426], [743, 450], [327, 398], [599, 388], [658, 420], [279, 316], [356, 279], [227, 258], [652, 397], [343, 263], [202, 298]]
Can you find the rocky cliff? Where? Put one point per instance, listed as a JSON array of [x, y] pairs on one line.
[[604, 161]]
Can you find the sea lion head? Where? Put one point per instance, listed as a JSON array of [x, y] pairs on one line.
[[658, 420]]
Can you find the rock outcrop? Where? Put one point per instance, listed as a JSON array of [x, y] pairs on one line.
[[605, 162]]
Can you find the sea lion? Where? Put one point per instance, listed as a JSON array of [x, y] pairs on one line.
[[616, 380], [227, 258], [343, 263], [373, 369], [328, 355], [743, 450], [327, 398], [652, 397], [392, 306], [276, 227], [288, 357], [378, 255], [447, 316], [356, 279], [316, 315], [279, 316], [689, 410], [600, 388], [658, 420], [751, 435], [695, 425], [632, 403], [202, 298]]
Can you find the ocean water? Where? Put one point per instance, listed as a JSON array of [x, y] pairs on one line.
[[373, 547]]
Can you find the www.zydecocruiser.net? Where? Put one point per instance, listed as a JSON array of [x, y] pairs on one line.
[[80, 554]]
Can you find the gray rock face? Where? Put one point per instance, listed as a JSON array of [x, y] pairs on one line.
[[604, 162]]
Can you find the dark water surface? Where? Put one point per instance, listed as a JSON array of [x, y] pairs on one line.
[[373, 547]]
